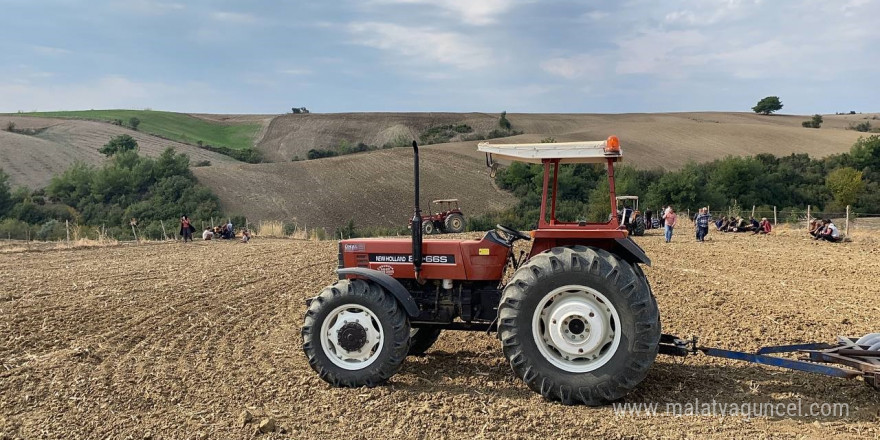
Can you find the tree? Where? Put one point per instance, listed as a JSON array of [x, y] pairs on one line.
[[846, 185], [503, 122], [816, 122], [768, 105], [5, 195], [134, 122], [119, 144]]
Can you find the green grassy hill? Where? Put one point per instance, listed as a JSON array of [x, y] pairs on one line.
[[175, 126]]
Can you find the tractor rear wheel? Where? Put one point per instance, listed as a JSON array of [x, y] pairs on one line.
[[428, 227], [638, 226], [421, 339], [579, 325], [454, 223], [355, 334]]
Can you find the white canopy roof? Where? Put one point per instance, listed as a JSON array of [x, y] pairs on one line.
[[567, 152]]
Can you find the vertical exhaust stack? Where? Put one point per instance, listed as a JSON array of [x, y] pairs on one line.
[[416, 222]]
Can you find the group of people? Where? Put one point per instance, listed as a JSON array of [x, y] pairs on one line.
[[702, 220], [739, 224], [226, 232], [824, 229]]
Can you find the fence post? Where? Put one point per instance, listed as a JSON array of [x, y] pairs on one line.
[[846, 228], [774, 215], [808, 217], [753, 211], [164, 234], [135, 233], [67, 227]]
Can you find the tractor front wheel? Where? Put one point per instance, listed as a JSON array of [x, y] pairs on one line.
[[454, 223], [428, 227], [355, 334], [638, 228], [579, 325], [421, 339]]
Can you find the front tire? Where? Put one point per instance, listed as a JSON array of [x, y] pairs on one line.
[[454, 223], [355, 334], [638, 227], [579, 325], [421, 339], [428, 227]]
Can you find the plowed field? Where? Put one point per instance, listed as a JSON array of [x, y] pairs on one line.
[[176, 341]]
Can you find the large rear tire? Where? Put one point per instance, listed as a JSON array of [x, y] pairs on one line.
[[579, 325], [355, 334], [421, 339], [454, 223]]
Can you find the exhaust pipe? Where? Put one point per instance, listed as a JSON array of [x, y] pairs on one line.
[[416, 222]]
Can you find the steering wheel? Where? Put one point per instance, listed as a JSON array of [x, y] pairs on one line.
[[513, 234]]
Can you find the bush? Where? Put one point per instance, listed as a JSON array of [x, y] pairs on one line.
[[443, 133], [133, 122], [16, 230], [10, 127], [503, 123], [202, 163], [815, 122], [319, 154], [248, 155], [863, 127]]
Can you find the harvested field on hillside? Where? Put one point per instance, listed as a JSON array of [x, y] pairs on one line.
[[374, 189], [151, 341], [32, 160], [667, 140]]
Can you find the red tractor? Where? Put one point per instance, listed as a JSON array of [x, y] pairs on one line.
[[577, 319], [448, 218]]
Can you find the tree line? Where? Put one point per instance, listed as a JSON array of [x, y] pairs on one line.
[[127, 186], [790, 182]]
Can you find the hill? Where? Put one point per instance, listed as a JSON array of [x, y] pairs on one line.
[[374, 189], [231, 132], [667, 140], [32, 160]]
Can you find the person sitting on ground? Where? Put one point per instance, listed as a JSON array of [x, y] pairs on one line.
[[830, 232], [722, 223], [765, 226], [245, 236], [816, 227], [753, 225], [207, 234], [741, 225]]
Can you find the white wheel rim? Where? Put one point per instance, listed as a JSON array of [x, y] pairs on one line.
[[330, 331], [456, 223], [576, 328]]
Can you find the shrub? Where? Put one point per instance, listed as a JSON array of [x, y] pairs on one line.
[[315, 153], [133, 122], [548, 140], [443, 133], [202, 163], [863, 127], [503, 122], [10, 127]]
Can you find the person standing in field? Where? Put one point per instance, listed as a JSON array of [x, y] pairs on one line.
[[670, 219], [701, 223], [186, 229]]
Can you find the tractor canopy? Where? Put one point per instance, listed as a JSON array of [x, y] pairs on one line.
[[550, 231]]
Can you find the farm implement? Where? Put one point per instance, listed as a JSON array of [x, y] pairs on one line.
[[577, 319]]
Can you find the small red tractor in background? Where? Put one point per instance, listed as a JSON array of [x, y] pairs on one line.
[[447, 219]]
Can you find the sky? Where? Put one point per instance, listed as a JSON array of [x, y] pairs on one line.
[[535, 56]]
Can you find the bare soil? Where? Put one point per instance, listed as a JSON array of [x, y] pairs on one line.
[[174, 341]]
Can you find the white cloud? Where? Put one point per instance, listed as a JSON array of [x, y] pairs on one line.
[[658, 52], [150, 7], [295, 72], [111, 91], [576, 66], [448, 48], [233, 17], [474, 12], [711, 12], [52, 51]]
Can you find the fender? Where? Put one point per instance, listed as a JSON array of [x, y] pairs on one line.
[[630, 251], [388, 283]]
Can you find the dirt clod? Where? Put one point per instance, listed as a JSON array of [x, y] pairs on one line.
[[245, 417], [267, 425]]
